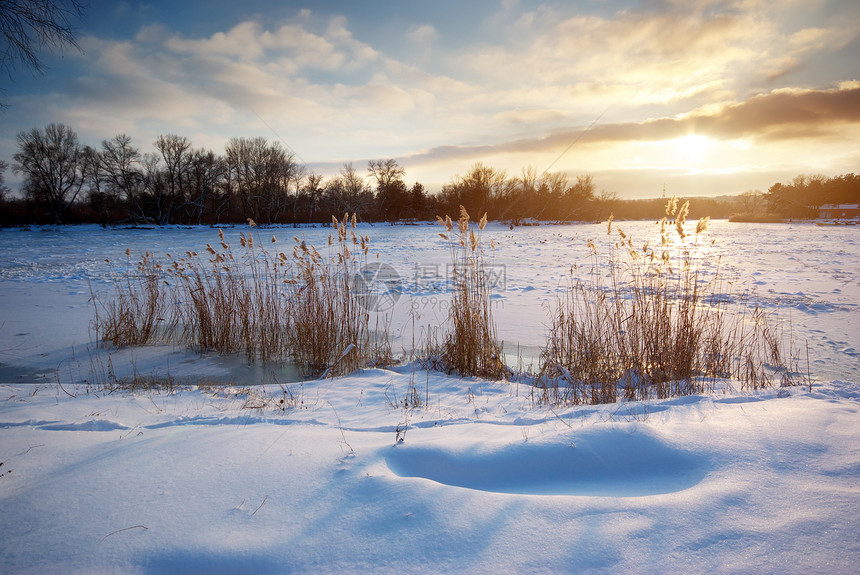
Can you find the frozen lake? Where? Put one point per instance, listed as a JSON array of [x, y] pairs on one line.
[[804, 274], [313, 477]]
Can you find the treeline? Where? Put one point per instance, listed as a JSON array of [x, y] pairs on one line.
[[65, 181], [805, 194], [799, 199], [116, 182]]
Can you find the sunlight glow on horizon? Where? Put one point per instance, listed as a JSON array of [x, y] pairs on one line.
[[738, 96], [693, 149]]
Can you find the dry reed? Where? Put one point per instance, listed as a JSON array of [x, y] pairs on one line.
[[660, 327], [266, 304], [133, 316], [331, 329], [649, 322], [470, 346]]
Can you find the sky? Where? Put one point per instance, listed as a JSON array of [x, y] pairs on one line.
[[701, 97]]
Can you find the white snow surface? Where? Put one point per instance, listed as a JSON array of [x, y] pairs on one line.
[[228, 480]]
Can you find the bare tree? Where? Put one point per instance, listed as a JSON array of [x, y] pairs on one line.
[[528, 180], [556, 182], [385, 172], [476, 190], [28, 26], [751, 202], [392, 194], [52, 162], [96, 182], [176, 152], [348, 192], [312, 194], [261, 174], [122, 170], [205, 176], [521, 196], [3, 189], [155, 189]]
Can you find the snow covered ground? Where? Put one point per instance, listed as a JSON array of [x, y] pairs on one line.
[[234, 481]]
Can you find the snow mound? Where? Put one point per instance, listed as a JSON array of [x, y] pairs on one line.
[[608, 462]]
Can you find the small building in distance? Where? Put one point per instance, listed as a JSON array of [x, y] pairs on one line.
[[839, 211]]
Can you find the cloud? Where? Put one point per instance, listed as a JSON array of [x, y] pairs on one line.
[[423, 34], [529, 80], [528, 118], [636, 57], [305, 50], [288, 74], [656, 54], [781, 114], [773, 117], [243, 41]]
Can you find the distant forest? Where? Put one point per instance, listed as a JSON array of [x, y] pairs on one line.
[[65, 181]]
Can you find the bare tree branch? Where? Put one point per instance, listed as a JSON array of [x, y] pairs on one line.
[[29, 26]]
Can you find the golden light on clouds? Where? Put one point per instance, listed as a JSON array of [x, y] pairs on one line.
[[709, 87]]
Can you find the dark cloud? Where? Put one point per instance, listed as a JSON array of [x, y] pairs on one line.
[[779, 115], [785, 114]]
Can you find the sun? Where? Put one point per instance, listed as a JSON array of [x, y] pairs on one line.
[[693, 149]]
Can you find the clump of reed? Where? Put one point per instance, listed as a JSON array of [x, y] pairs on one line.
[[470, 346], [266, 304], [650, 321], [330, 329], [231, 302], [138, 309], [655, 322]]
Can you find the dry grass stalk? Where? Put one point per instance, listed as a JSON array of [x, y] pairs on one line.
[[660, 328], [138, 307], [331, 329], [231, 303], [470, 347], [267, 305]]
